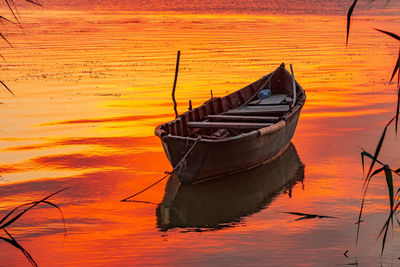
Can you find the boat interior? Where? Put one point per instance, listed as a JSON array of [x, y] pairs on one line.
[[239, 112]]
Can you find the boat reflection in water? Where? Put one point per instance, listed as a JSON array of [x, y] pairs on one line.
[[225, 201]]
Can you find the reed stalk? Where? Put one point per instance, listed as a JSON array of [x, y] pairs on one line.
[[394, 198], [16, 213]]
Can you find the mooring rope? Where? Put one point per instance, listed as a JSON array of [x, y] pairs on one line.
[[181, 162]]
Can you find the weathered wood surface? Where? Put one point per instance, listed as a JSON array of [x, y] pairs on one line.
[[269, 108], [248, 112], [228, 125], [243, 118], [255, 102], [259, 110], [271, 100]]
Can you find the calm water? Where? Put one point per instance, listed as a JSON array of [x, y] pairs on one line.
[[92, 85]]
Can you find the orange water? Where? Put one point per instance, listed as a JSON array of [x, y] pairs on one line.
[[91, 86]]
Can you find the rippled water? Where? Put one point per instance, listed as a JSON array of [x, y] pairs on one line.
[[90, 88]]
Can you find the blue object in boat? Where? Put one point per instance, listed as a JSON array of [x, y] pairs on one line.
[[264, 94]]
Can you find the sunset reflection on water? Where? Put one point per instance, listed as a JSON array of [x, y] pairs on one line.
[[91, 87]]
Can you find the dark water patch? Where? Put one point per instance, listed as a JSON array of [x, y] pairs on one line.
[[304, 216], [107, 120], [85, 188], [78, 161], [126, 142], [85, 162], [36, 227]]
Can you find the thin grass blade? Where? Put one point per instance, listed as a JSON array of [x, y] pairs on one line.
[[362, 160], [384, 238], [389, 183], [14, 243], [5, 39], [395, 36], [26, 254], [377, 171], [13, 210], [349, 13], [7, 20], [398, 74], [359, 216], [384, 232], [8, 89], [12, 11], [398, 105], [366, 154], [397, 192], [4, 224], [378, 148], [363, 200], [15, 7], [369, 155], [386, 227], [24, 251], [61, 213], [34, 2], [396, 68]]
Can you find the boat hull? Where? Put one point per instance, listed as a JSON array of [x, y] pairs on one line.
[[236, 132], [210, 158]]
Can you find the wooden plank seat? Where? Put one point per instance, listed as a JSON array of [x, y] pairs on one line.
[[283, 108], [259, 110], [271, 100], [243, 118], [227, 125]]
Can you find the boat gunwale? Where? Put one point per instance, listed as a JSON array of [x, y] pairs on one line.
[[256, 133]]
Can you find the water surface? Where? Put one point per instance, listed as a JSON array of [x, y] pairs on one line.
[[91, 86]]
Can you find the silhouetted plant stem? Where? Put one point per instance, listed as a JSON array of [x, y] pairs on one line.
[[349, 13], [10, 218], [175, 80]]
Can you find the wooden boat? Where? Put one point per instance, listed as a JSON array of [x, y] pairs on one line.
[[226, 201], [235, 132]]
